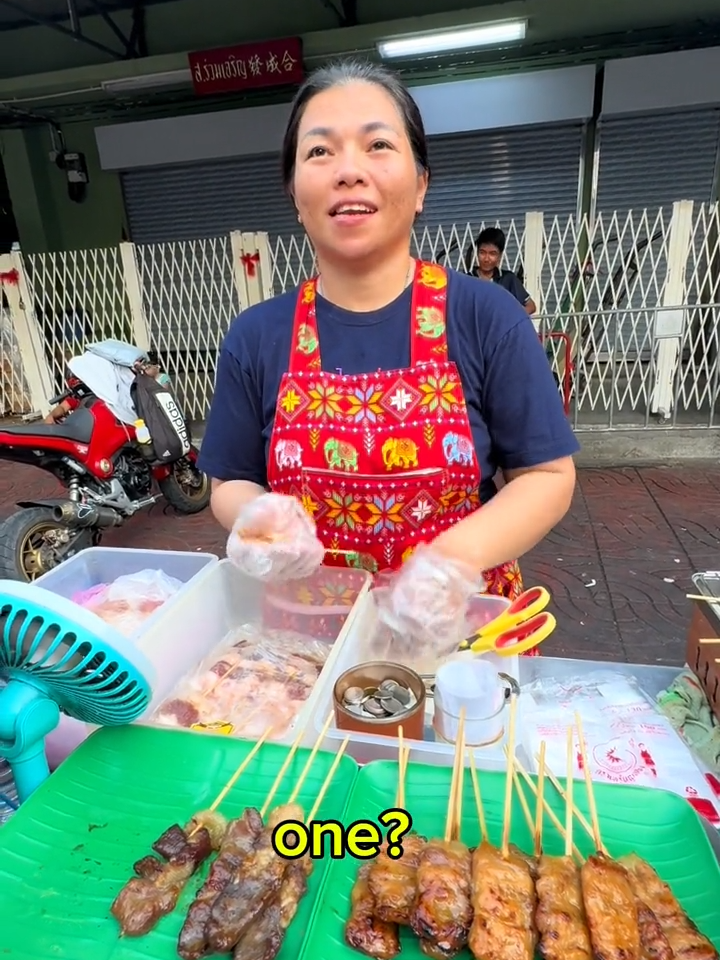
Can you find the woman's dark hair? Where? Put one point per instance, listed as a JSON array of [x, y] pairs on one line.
[[353, 71]]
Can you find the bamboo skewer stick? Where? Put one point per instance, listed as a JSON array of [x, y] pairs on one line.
[[281, 773], [310, 760], [521, 797], [562, 793], [709, 640], [507, 805], [400, 793], [478, 800], [460, 780], [701, 596], [328, 779], [569, 792], [540, 797], [546, 806], [457, 763], [597, 839]]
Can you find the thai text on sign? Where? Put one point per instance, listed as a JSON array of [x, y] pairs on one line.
[[248, 66]]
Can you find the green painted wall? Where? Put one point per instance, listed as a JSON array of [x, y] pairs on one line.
[[47, 219]]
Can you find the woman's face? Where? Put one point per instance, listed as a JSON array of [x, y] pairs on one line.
[[356, 186]]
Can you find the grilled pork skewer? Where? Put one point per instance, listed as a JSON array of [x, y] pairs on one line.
[[363, 930], [611, 909], [264, 939], [154, 892], [393, 883], [443, 911], [684, 939], [255, 884], [503, 901], [560, 915], [240, 839]]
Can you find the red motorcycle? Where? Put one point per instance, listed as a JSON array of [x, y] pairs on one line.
[[107, 475]]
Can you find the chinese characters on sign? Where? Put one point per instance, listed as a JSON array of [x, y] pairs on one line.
[[251, 65]]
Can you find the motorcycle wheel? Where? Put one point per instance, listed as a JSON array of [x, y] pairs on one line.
[[186, 489], [26, 554]]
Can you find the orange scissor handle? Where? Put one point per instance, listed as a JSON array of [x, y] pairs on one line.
[[519, 638], [527, 605]]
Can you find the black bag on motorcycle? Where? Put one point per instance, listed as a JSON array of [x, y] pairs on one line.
[[156, 405]]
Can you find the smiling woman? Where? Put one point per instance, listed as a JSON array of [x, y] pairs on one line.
[[363, 417]]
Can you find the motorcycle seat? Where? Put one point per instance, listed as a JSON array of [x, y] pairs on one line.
[[78, 426]]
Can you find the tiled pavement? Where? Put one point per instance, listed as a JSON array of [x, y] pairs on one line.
[[618, 567]]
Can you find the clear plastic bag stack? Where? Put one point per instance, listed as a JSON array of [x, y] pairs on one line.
[[252, 681], [126, 603]]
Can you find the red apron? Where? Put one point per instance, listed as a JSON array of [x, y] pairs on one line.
[[381, 461]]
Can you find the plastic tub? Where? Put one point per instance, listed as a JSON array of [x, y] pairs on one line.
[[223, 599], [98, 565], [357, 649]]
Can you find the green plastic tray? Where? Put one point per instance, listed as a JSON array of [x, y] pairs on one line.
[[659, 826], [71, 846]]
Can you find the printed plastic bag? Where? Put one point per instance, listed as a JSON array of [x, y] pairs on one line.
[[626, 738], [127, 602], [255, 679]]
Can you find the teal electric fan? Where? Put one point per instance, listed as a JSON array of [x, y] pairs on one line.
[[55, 656]]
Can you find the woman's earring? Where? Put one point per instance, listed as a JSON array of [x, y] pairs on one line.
[[299, 219]]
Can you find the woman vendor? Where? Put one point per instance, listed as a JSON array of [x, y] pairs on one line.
[[362, 418]]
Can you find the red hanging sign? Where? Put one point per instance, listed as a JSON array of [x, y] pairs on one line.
[[250, 262], [248, 66], [10, 277]]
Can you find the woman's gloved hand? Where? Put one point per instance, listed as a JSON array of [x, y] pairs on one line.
[[274, 539], [425, 603]]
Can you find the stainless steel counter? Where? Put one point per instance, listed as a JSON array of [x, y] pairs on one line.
[[650, 679]]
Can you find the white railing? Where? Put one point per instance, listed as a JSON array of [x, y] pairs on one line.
[[627, 307]]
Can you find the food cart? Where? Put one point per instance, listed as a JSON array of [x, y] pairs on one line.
[[157, 837]]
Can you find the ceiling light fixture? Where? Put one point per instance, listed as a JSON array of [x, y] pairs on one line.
[[151, 81], [442, 41]]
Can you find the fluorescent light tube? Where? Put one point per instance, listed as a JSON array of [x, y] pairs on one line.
[[148, 82], [441, 41]]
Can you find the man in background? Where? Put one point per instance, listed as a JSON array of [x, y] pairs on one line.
[[489, 250]]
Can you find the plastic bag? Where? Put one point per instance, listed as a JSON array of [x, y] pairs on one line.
[[274, 539], [627, 740], [127, 602], [425, 604], [255, 679]]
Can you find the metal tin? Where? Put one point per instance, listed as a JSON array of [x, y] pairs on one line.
[[371, 677]]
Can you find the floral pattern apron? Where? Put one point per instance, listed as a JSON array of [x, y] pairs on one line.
[[382, 461]]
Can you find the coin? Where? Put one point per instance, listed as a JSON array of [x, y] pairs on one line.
[[383, 694], [390, 685], [352, 696], [393, 706], [403, 695], [375, 708]]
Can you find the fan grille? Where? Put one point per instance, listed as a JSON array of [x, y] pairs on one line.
[[88, 679]]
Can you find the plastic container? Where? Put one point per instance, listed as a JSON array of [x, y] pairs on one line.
[[223, 599], [359, 647], [98, 565]]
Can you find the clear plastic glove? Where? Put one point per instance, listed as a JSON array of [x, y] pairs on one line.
[[426, 603], [274, 539]]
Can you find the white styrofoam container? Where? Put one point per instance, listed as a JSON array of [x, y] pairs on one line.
[[367, 747], [220, 600]]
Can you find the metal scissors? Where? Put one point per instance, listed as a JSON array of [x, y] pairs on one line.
[[519, 628]]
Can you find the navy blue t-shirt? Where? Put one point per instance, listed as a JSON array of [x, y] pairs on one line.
[[515, 411]]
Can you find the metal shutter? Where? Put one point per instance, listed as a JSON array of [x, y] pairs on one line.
[[483, 176], [652, 161], [499, 175], [190, 201]]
